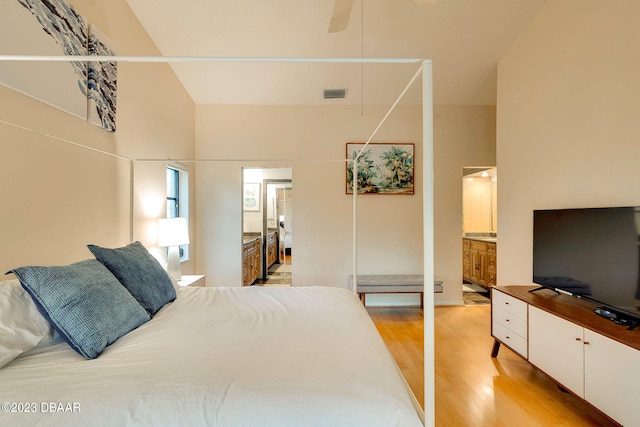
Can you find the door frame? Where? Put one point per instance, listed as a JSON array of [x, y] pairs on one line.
[[265, 183]]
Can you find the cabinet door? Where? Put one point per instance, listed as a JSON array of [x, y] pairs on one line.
[[612, 381], [492, 259], [483, 263], [466, 259], [475, 265], [556, 347]]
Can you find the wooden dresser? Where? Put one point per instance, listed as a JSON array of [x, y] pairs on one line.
[[271, 249], [250, 260], [592, 357], [479, 260]]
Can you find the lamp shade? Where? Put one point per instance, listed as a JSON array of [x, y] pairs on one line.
[[172, 232]]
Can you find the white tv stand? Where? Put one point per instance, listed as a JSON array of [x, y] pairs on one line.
[[592, 357]]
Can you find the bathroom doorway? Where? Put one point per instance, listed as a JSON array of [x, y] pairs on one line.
[[268, 226], [479, 228]]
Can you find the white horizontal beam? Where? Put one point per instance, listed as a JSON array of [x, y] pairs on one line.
[[204, 59]]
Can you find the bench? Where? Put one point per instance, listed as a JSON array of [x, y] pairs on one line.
[[393, 283]]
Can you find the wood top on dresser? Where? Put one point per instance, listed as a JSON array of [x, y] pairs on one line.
[[574, 310]]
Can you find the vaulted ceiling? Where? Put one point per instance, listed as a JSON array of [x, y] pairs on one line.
[[464, 38]]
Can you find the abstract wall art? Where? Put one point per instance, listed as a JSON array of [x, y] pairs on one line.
[[55, 28], [102, 82]]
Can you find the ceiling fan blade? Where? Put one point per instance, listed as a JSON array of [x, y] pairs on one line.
[[340, 16]]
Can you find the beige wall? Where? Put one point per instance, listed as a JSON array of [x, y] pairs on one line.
[[463, 136], [313, 139], [568, 129], [58, 197]]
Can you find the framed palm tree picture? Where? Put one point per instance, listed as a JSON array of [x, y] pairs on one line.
[[382, 168]]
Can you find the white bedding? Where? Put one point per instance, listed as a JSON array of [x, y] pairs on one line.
[[248, 356], [286, 240]]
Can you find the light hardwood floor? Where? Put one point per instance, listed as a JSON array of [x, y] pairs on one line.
[[472, 388]]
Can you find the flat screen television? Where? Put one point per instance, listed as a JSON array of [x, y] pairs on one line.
[[591, 253]]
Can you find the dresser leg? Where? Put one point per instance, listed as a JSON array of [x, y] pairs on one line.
[[495, 349]]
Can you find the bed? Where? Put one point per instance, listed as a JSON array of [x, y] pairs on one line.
[[215, 356], [286, 237]]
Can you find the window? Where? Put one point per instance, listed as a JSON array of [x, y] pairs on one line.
[[173, 193], [178, 199]]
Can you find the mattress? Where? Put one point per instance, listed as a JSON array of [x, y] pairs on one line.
[[250, 356]]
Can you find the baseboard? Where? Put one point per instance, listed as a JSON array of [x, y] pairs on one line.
[[404, 300], [393, 300]]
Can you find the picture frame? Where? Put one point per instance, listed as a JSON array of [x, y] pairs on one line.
[[383, 168], [251, 197]]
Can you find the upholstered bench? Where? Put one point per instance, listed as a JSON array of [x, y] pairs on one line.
[[393, 283]]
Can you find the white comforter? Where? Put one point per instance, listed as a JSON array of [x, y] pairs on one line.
[[248, 356]]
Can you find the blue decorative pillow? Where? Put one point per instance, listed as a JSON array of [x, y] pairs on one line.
[[140, 273], [84, 302]]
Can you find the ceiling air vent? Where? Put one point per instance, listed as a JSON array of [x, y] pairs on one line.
[[335, 93]]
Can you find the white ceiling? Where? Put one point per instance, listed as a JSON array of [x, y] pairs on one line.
[[464, 38]]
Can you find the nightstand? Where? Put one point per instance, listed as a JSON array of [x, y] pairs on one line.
[[193, 280]]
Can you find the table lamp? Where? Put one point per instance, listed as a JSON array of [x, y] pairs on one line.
[[173, 232]]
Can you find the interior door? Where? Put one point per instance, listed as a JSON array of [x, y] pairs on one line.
[[556, 347]]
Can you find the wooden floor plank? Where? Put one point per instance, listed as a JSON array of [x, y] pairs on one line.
[[472, 388]]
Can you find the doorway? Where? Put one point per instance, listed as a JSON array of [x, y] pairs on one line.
[[269, 225], [278, 227], [479, 226]]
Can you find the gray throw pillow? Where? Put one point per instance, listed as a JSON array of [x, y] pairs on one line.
[[140, 273], [84, 302]]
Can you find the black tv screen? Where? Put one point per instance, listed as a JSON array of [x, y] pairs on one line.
[[591, 253]]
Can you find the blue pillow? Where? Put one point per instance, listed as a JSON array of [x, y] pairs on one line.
[[84, 302], [140, 273]]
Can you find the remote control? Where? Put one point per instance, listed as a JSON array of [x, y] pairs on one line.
[[605, 313]]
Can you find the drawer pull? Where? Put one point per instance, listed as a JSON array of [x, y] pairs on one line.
[[587, 343], [578, 339], [507, 337], [507, 320]]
